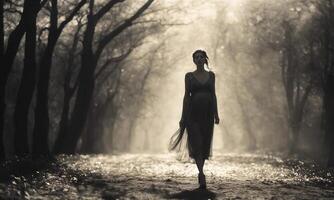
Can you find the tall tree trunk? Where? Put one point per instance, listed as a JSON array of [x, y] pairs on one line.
[[134, 117], [92, 139], [84, 93], [89, 61], [2, 110], [89, 136], [7, 60], [245, 121], [41, 125], [41, 129], [63, 124], [81, 107], [252, 143], [328, 101], [67, 144], [68, 92], [328, 81], [295, 129], [2, 104], [296, 94], [2, 31], [28, 80]]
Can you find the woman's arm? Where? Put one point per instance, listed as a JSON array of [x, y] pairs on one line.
[[186, 99], [215, 107]]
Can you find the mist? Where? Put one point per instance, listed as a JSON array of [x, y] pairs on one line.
[[91, 92], [250, 91]]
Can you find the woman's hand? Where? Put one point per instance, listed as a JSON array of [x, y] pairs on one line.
[[217, 119]]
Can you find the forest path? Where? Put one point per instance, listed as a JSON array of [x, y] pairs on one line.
[[161, 176]]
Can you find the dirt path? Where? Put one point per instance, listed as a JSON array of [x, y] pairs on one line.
[[161, 176]]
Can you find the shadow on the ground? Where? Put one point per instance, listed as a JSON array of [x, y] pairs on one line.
[[106, 186], [25, 166], [194, 194]]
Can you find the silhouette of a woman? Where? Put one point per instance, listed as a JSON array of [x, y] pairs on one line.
[[199, 113]]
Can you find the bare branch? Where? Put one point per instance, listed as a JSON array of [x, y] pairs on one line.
[[12, 10], [116, 66], [13, 3], [127, 23], [145, 21], [41, 5], [115, 60], [106, 8], [72, 14], [41, 33]]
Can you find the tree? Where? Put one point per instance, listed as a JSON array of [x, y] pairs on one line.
[[67, 142], [93, 134], [70, 81], [324, 23], [27, 85], [297, 90], [8, 55], [2, 50], [41, 128]]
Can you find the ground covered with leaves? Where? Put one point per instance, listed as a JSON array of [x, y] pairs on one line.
[[161, 176]]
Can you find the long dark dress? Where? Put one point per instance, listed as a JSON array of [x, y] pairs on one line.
[[197, 121]]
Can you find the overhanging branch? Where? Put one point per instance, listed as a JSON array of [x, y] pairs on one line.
[[127, 23], [106, 8]]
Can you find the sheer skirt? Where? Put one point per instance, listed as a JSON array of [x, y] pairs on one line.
[[187, 147]]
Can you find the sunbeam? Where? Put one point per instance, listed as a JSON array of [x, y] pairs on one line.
[[166, 99]]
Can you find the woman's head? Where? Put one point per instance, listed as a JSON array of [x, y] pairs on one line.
[[200, 57]]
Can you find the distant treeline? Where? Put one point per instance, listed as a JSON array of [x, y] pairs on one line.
[[274, 45]]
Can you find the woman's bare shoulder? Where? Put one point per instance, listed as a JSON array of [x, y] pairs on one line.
[[188, 74]]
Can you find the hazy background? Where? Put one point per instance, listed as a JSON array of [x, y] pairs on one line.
[[249, 92], [105, 93]]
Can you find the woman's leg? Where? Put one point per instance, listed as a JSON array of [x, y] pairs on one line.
[[200, 163], [196, 144], [201, 177]]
